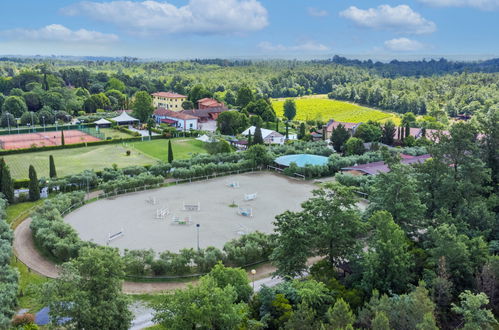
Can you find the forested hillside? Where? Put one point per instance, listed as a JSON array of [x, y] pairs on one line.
[[73, 86]]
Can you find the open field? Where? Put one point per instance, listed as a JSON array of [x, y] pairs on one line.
[[114, 133], [319, 107], [182, 148], [219, 222], [73, 161]]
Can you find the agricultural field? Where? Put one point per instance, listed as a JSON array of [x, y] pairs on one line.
[[182, 148], [319, 107], [73, 161]]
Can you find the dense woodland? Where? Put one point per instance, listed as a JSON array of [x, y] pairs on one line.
[[59, 88]]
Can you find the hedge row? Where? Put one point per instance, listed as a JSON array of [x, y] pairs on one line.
[[195, 171], [128, 131], [245, 250], [124, 183], [8, 275], [51, 234]]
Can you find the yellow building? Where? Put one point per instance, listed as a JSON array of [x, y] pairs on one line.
[[168, 100]]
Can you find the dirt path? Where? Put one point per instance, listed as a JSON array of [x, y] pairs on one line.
[[25, 250]]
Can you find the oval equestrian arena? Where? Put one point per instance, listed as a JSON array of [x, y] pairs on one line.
[[167, 218]]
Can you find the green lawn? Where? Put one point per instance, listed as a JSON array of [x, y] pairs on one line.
[[183, 148], [15, 210], [73, 161], [114, 133], [319, 107], [29, 284]]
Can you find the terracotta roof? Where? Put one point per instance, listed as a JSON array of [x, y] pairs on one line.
[[204, 113], [207, 102], [334, 124], [381, 167], [170, 95], [173, 114]]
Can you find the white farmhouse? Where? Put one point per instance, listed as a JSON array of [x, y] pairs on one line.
[[269, 136]]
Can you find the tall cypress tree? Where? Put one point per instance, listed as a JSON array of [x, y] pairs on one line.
[[258, 139], [2, 165], [287, 130], [407, 130], [7, 185], [52, 171], [62, 138], [170, 152], [34, 186], [250, 142]]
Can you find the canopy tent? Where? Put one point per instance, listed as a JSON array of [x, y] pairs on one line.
[[124, 118], [102, 123], [205, 138]]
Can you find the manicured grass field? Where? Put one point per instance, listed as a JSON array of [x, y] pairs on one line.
[[319, 107], [183, 148], [114, 133], [73, 161]]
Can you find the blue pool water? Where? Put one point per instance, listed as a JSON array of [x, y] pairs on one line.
[[301, 160]]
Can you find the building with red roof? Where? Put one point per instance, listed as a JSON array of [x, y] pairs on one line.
[[208, 103], [177, 119]]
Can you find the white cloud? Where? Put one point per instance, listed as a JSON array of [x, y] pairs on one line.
[[479, 4], [400, 18], [57, 32], [197, 16], [307, 46], [403, 45], [317, 12]]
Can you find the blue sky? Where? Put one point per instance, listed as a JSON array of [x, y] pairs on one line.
[[177, 29]]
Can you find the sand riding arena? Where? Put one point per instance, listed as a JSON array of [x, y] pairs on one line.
[[168, 218]]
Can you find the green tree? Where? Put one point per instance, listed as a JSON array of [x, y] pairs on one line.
[[198, 92], [304, 318], [34, 185], [354, 146], [7, 184], [187, 105], [142, 106], [302, 131], [89, 291], [388, 135], [14, 105], [52, 171], [244, 96], [289, 109], [369, 132], [114, 83], [259, 155], [398, 193], [250, 142], [339, 137], [387, 263], [380, 322], [30, 118], [340, 316], [329, 225], [474, 315], [8, 120], [257, 138], [235, 277], [170, 152], [204, 306], [232, 122], [428, 323]]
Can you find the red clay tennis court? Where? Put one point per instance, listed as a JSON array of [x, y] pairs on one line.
[[43, 139]]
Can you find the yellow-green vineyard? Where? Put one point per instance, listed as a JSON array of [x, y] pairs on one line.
[[322, 108]]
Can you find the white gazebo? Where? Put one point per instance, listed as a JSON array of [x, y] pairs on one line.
[[125, 119], [102, 123]]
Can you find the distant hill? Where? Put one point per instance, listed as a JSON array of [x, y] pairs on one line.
[[397, 68]]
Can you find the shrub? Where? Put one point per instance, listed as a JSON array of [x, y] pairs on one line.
[[23, 319], [128, 152]]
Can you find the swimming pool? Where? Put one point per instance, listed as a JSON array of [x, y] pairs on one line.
[[301, 160]]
